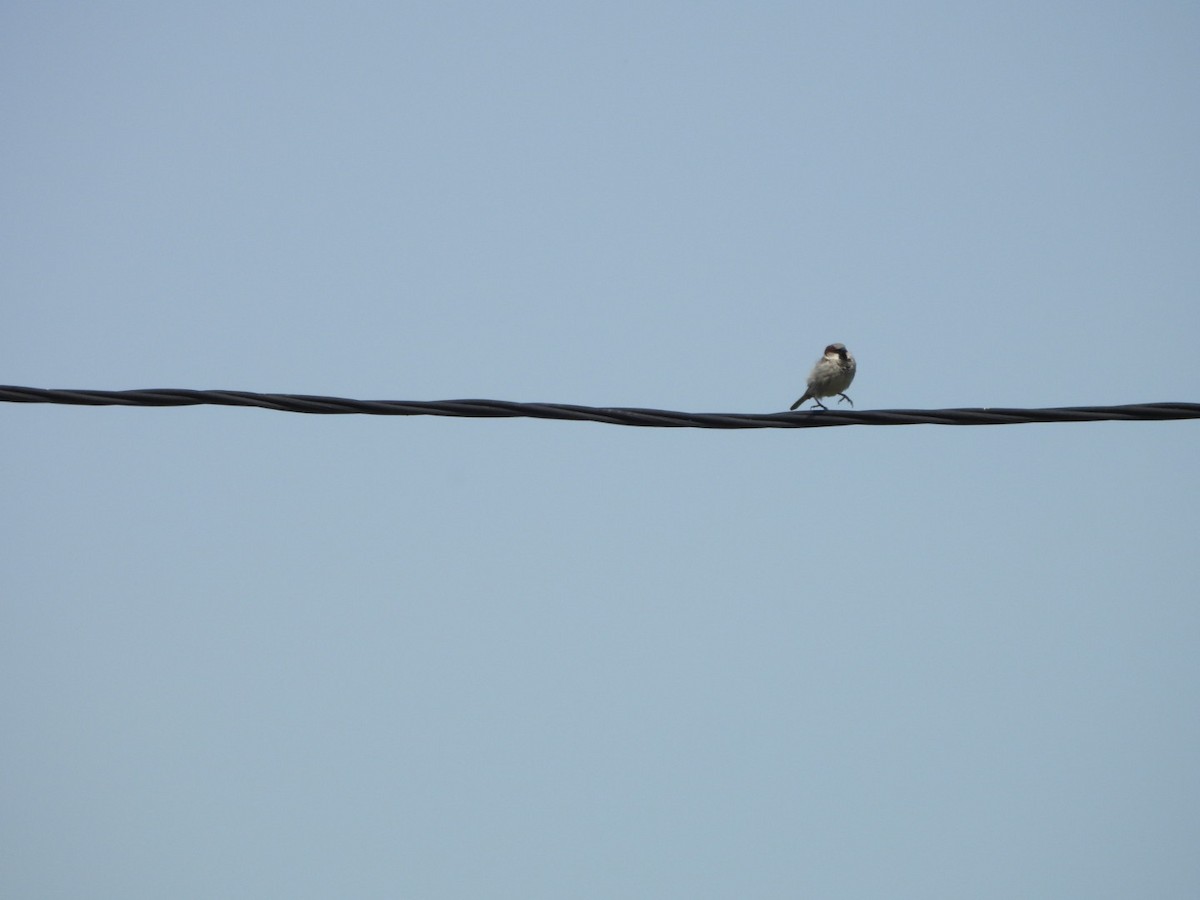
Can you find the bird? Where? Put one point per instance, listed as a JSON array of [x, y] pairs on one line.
[[831, 375]]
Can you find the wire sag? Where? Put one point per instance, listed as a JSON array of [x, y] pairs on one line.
[[608, 415]]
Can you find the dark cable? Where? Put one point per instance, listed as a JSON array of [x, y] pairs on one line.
[[615, 415]]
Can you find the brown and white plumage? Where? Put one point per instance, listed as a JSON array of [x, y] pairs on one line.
[[831, 375]]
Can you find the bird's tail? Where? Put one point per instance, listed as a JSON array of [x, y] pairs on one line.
[[807, 396]]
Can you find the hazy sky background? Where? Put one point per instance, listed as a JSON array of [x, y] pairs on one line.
[[255, 654]]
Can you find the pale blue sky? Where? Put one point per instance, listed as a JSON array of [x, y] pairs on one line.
[[252, 654]]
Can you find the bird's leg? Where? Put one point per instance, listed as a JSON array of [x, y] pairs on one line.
[[847, 399], [817, 401]]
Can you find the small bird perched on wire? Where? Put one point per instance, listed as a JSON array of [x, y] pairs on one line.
[[831, 375]]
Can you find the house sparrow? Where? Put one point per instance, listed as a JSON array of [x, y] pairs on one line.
[[831, 375]]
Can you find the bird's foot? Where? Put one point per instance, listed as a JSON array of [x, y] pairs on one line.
[[847, 399]]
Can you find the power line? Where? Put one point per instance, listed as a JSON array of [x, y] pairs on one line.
[[655, 418]]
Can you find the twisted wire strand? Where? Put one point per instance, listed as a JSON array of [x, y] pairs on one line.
[[614, 415]]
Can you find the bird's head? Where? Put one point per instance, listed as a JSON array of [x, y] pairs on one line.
[[836, 351]]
